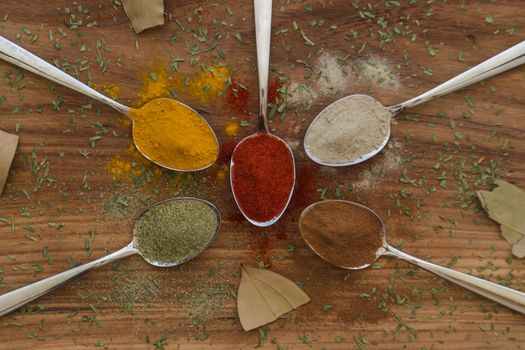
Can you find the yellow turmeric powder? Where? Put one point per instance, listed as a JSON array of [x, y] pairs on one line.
[[133, 166], [231, 129], [155, 84], [119, 166], [171, 134], [110, 90], [205, 86]]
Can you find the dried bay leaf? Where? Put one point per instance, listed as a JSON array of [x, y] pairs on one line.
[[264, 296], [505, 204], [518, 249], [8, 144], [144, 14], [511, 236]]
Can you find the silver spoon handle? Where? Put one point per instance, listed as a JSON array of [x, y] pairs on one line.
[[511, 298], [502, 62], [22, 58], [263, 32], [21, 296]]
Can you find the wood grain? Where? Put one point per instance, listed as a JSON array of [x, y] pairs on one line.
[[489, 128]]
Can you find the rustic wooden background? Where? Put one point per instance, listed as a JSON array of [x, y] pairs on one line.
[[483, 123]]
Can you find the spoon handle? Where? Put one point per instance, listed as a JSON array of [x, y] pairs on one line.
[[502, 62], [511, 298], [22, 58], [21, 296], [263, 33]]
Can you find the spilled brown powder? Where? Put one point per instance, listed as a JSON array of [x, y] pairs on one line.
[[343, 233]]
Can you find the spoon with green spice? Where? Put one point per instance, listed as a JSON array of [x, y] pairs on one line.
[[152, 123], [357, 127], [167, 234]]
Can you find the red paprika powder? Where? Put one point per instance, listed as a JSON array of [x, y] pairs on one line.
[[237, 97], [273, 91], [262, 176]]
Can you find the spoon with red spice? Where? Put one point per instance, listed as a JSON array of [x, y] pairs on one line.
[[262, 169], [352, 236]]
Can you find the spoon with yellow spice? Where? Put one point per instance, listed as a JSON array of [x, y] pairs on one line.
[[165, 131]]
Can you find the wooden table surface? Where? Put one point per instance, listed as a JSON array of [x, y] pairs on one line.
[[422, 185]]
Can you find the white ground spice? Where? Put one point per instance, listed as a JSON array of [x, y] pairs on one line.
[[334, 75], [300, 95], [338, 76], [378, 72], [348, 130], [388, 163]]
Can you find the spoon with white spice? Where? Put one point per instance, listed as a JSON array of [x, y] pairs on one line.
[[22, 58], [357, 127], [173, 233]]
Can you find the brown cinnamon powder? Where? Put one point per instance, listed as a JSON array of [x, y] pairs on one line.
[[343, 233]]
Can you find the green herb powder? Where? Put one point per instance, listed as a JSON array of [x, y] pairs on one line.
[[176, 230]]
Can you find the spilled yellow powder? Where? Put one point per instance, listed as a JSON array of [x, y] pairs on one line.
[[112, 91], [155, 84], [119, 166], [208, 84], [132, 163], [174, 136], [223, 171], [125, 121], [231, 129]]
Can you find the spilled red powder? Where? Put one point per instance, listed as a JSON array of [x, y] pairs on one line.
[[262, 247], [262, 244], [235, 218], [237, 97], [281, 235], [273, 92], [225, 152], [262, 176], [306, 189]]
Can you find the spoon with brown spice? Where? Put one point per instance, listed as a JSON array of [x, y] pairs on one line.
[[352, 236], [168, 234], [149, 122]]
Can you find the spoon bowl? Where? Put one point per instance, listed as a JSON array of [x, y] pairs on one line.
[[318, 147], [22, 58], [324, 248], [330, 244], [188, 257], [246, 210], [338, 110], [19, 297], [149, 153]]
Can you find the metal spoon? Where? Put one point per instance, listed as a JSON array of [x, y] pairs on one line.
[[263, 26], [22, 58], [19, 297], [502, 62], [511, 298]]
